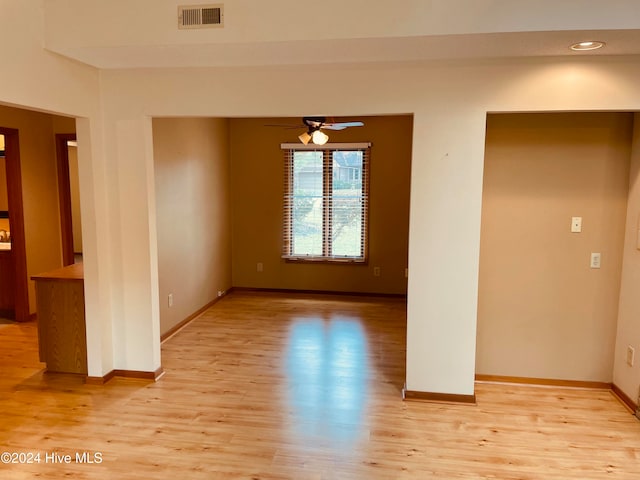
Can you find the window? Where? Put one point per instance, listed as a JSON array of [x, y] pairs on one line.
[[326, 199]]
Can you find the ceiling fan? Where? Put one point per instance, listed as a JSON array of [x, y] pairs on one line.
[[315, 125]]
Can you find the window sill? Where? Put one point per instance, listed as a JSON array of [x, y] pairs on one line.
[[328, 260]]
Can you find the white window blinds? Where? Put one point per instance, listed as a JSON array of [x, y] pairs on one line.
[[326, 202]]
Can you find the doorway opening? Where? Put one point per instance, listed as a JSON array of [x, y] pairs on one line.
[[69, 197]]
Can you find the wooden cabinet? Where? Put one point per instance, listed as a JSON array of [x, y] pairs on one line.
[[7, 274], [61, 322]]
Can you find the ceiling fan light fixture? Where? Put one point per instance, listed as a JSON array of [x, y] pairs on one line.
[[305, 137], [319, 137]]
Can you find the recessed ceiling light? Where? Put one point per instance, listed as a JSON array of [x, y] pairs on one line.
[[585, 46]]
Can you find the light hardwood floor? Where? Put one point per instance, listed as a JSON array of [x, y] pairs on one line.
[[273, 386]]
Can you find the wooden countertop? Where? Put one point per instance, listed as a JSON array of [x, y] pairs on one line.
[[71, 272]]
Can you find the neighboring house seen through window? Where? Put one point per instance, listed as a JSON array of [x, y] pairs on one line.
[[326, 201]]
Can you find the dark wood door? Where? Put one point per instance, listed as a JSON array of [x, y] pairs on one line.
[[7, 280], [17, 259]]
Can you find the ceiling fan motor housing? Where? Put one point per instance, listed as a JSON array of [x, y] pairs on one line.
[[314, 123]]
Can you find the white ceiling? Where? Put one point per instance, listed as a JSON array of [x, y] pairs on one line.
[[144, 33], [403, 49]]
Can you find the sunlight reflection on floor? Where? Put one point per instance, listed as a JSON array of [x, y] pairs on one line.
[[327, 369]]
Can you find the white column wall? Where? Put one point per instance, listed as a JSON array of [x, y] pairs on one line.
[[137, 338], [444, 243], [449, 102], [97, 244]]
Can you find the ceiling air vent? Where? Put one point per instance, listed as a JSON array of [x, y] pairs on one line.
[[200, 16]]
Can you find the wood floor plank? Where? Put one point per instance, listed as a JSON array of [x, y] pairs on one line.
[[276, 386]]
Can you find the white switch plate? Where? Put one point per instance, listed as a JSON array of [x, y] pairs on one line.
[[576, 224], [631, 355], [595, 260], [259, 267]]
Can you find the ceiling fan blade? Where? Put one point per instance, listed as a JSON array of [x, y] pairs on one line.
[[280, 125], [341, 125]]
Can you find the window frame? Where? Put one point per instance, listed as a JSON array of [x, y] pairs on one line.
[[289, 150]]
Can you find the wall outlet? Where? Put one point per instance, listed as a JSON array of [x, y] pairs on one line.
[[170, 299], [221, 292], [376, 271], [631, 355], [576, 224], [259, 267], [595, 260]]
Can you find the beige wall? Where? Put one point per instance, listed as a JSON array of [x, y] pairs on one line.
[[543, 312], [191, 159], [63, 124], [627, 376], [257, 189]]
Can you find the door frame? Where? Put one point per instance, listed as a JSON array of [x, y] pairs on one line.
[[16, 222], [64, 196]]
